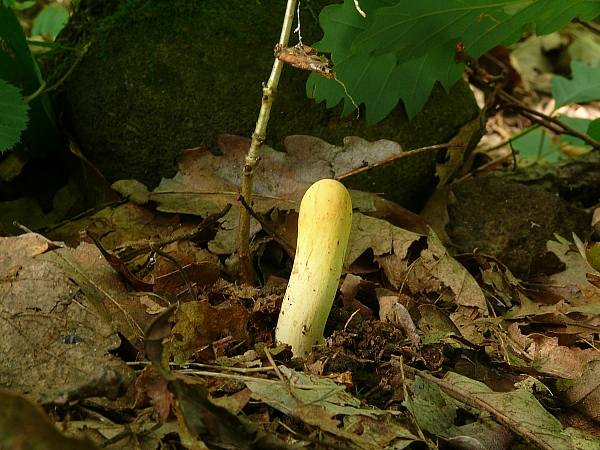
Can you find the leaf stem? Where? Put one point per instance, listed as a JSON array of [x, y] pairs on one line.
[[547, 121], [66, 75], [253, 156]]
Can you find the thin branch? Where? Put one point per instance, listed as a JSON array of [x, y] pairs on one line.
[[401, 155], [66, 75], [513, 103], [287, 247], [564, 128], [130, 252], [587, 25], [171, 258], [253, 156]]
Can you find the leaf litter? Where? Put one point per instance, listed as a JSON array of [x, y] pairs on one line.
[[155, 290]]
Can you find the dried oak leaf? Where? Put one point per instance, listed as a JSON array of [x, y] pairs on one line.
[[105, 291], [419, 261], [206, 183], [50, 337], [199, 324]]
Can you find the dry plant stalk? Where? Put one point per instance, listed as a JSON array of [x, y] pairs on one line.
[[253, 155]]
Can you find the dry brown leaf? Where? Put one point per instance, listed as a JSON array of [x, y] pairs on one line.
[[206, 183], [127, 223], [106, 292], [544, 354], [455, 153], [151, 383], [200, 274], [119, 266], [385, 240], [584, 394], [438, 320], [433, 270], [233, 403], [553, 359], [51, 338], [351, 285], [439, 270], [570, 299], [199, 324]]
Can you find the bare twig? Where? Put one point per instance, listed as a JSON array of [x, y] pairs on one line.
[[543, 119], [22, 227], [188, 283], [130, 252], [66, 75], [552, 123], [287, 247], [284, 380], [587, 25], [253, 156], [401, 155]]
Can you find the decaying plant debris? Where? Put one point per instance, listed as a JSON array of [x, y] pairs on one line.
[[422, 347]]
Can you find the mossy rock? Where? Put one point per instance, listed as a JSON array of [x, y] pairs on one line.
[[162, 76], [510, 221]]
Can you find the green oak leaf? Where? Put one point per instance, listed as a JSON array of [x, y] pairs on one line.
[[387, 82], [583, 87], [414, 28], [402, 47]]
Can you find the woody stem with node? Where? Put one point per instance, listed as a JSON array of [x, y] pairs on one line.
[[253, 156]]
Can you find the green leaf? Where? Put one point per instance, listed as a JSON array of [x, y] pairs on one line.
[[577, 124], [584, 87], [13, 115], [386, 82], [50, 20], [342, 24], [415, 28], [18, 67], [593, 130], [402, 47], [17, 5], [535, 144]]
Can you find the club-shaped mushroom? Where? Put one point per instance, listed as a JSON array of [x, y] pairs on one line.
[[324, 224]]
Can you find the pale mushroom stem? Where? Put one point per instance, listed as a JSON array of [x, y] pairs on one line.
[[324, 227]]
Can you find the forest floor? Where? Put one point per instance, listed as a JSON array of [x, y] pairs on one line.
[[471, 326]]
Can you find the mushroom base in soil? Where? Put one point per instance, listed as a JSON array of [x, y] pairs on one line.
[[324, 224]]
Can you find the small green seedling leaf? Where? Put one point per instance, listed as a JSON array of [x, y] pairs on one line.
[[13, 115], [577, 124], [535, 144], [584, 87], [50, 21]]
